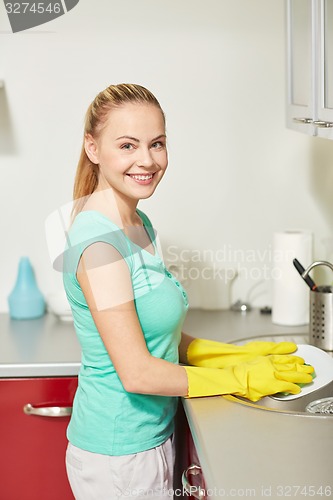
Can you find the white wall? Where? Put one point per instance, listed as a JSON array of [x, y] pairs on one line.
[[236, 174]]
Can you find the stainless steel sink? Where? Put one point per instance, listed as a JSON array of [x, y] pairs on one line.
[[297, 405]]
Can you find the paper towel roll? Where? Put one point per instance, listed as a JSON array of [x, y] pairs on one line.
[[290, 300]]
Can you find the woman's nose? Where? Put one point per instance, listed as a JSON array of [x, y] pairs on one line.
[[144, 158]]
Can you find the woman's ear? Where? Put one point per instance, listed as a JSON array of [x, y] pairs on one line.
[[91, 149]]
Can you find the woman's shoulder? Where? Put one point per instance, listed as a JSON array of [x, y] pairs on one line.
[[91, 224], [87, 218], [90, 227]]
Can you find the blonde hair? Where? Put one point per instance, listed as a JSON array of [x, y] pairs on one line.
[[86, 177]]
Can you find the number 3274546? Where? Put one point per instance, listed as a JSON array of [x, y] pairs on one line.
[[33, 8]]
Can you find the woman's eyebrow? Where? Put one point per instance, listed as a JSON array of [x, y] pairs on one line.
[[128, 137], [159, 137], [138, 140]]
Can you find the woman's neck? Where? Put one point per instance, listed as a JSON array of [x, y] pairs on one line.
[[113, 205]]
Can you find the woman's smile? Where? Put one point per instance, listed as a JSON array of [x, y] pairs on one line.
[[142, 179]]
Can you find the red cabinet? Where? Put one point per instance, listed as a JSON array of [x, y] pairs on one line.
[[189, 482], [33, 443], [193, 480]]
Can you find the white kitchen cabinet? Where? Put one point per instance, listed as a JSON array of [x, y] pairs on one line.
[[310, 66], [325, 85], [300, 84]]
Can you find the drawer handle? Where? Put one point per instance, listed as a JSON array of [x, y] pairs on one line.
[[322, 124], [48, 411], [303, 120], [194, 491]]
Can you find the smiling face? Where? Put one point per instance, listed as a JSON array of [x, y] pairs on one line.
[[130, 151]]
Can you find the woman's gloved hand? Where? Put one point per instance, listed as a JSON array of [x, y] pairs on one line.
[[259, 377], [211, 354]]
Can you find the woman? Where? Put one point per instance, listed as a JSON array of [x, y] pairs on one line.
[[128, 313]]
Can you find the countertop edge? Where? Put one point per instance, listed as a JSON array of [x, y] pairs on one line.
[[28, 370]]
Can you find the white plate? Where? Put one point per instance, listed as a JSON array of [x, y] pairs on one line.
[[323, 365]]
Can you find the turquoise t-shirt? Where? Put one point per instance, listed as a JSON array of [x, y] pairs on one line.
[[106, 419]]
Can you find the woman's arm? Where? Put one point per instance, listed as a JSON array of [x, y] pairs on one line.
[[106, 284], [183, 346]]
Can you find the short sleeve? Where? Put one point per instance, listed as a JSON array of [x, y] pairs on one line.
[[90, 229]]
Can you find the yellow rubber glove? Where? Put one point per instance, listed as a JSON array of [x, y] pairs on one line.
[[260, 377], [211, 354]]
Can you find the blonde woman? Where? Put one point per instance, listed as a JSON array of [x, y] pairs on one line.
[[129, 310]]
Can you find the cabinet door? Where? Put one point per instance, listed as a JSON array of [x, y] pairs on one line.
[[325, 69], [301, 93], [33, 446], [194, 486]]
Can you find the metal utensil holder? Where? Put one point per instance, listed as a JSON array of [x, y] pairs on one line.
[[321, 312]]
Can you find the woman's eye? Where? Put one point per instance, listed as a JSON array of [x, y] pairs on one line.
[[127, 146], [157, 145]]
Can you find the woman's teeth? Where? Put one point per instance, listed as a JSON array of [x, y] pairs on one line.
[[142, 177]]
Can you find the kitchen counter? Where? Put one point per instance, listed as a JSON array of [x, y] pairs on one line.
[[245, 451], [229, 326], [248, 452], [43, 347]]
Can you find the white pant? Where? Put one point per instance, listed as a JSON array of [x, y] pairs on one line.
[[148, 474]]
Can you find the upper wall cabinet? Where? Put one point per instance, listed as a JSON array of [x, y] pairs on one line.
[[310, 66]]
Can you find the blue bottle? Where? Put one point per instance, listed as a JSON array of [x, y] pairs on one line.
[[26, 301]]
